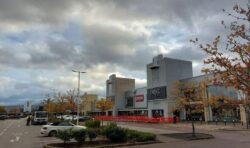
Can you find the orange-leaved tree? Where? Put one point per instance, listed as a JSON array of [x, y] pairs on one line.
[[230, 62], [103, 105], [190, 96], [2, 109]]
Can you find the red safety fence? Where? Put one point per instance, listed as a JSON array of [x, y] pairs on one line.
[[137, 119]]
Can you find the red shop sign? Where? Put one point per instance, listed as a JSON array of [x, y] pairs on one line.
[[139, 98]]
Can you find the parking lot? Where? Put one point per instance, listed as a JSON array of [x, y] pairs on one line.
[[14, 133]]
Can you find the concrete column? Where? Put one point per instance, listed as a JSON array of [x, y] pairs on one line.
[[243, 114], [183, 114], [149, 113], [208, 114]]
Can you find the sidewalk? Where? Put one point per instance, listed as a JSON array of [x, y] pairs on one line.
[[210, 126]]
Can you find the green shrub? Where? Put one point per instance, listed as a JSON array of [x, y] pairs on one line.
[[132, 134], [64, 135], [92, 123], [140, 136], [115, 133], [52, 120], [92, 134], [79, 135]]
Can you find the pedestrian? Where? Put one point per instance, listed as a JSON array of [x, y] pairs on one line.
[[174, 119], [28, 121]]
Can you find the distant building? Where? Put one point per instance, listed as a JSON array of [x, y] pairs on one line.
[[136, 102], [210, 91], [115, 90], [88, 103], [156, 99], [14, 109], [27, 108], [162, 73]]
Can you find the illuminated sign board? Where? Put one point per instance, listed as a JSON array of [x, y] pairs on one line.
[[139, 98], [157, 93]]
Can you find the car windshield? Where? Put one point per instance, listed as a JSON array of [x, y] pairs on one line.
[[65, 124], [41, 114]]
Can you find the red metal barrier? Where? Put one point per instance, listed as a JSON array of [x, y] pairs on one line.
[[137, 119]]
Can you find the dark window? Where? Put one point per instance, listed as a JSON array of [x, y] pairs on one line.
[[157, 93], [64, 124]]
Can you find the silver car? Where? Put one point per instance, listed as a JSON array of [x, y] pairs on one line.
[[53, 128]]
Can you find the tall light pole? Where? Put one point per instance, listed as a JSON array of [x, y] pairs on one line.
[[78, 93]]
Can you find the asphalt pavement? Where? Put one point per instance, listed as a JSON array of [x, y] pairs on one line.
[[223, 139], [15, 134]]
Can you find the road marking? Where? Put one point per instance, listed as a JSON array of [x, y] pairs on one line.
[[4, 130], [42, 141], [17, 138], [245, 141], [12, 140]]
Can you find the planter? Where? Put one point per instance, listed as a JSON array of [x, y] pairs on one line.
[[96, 144]]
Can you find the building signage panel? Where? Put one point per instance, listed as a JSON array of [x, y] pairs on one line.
[[139, 98], [157, 93]]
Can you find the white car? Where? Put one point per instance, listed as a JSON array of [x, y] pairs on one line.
[[53, 128], [68, 117]]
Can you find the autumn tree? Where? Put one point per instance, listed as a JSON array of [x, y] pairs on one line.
[[190, 96], [60, 103], [2, 109], [220, 103], [48, 104], [229, 60], [103, 105]]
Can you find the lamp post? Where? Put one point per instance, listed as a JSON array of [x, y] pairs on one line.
[[78, 93]]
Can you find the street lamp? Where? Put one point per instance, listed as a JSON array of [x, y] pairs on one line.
[[78, 93]]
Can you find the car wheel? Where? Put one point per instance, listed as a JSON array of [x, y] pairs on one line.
[[52, 134]]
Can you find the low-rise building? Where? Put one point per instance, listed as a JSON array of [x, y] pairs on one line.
[[115, 90], [156, 100], [88, 103]]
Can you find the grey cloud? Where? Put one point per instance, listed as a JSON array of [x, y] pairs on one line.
[[39, 11], [171, 11], [107, 44], [187, 53], [104, 44]]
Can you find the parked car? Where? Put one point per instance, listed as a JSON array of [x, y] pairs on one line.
[[14, 117], [68, 117], [53, 128], [85, 118], [3, 117], [229, 119]]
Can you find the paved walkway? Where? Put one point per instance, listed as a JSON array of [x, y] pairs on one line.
[[223, 138], [210, 126]]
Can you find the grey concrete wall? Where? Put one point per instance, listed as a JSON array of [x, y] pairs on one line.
[[116, 88], [169, 71]]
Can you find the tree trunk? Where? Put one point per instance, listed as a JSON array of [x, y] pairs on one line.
[[193, 129], [247, 116]]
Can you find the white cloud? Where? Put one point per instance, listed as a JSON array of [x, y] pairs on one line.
[[49, 38]]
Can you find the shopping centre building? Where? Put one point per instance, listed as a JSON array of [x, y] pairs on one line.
[[155, 99]]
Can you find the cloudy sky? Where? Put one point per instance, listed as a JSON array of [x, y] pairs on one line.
[[41, 41]]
